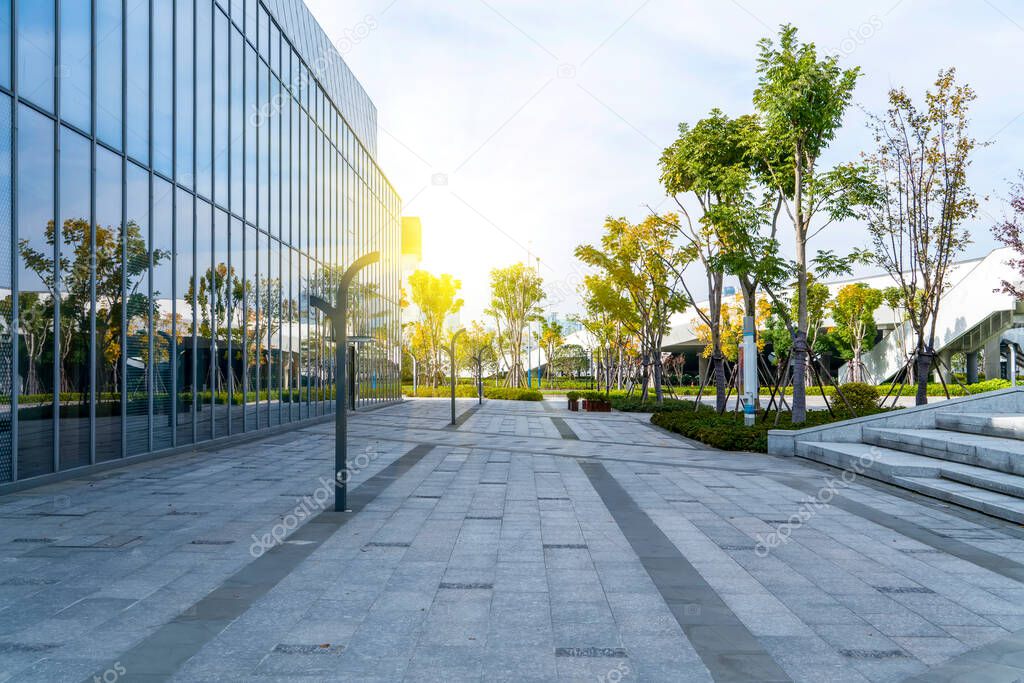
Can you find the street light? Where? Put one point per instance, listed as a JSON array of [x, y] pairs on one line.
[[451, 353], [338, 315]]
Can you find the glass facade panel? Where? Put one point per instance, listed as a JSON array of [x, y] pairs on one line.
[[221, 109], [137, 66], [252, 127], [163, 87], [251, 332], [220, 295], [37, 51], [135, 315], [250, 20], [185, 317], [275, 309], [35, 240], [110, 296], [76, 310], [184, 34], [204, 97], [76, 63], [109, 76], [236, 323], [5, 51], [205, 346], [265, 316], [137, 365], [263, 141], [164, 319], [237, 123], [7, 460]]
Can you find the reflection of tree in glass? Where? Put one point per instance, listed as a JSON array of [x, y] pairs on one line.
[[75, 296], [220, 294], [35, 315]]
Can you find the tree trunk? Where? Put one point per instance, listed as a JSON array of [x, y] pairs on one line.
[[644, 376], [800, 340], [659, 395], [799, 377], [718, 371], [923, 365]]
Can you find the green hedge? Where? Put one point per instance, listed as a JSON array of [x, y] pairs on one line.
[[633, 404], [461, 391], [727, 431], [466, 391], [509, 394], [934, 389]]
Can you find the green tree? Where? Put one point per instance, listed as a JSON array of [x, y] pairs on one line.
[[923, 202], [550, 338], [638, 259], [710, 163], [571, 360], [609, 314], [436, 297], [818, 297], [475, 350], [800, 99], [853, 312], [516, 294]]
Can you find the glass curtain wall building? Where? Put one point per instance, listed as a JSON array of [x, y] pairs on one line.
[[176, 178]]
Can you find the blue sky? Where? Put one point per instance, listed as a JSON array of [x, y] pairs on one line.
[[510, 125]]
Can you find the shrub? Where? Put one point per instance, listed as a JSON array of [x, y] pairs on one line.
[[461, 391], [512, 394], [727, 431], [862, 399], [633, 404], [573, 395]]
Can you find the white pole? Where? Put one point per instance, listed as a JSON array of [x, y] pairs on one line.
[[1012, 370], [749, 372]]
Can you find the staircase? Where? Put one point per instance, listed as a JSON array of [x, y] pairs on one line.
[[973, 459]]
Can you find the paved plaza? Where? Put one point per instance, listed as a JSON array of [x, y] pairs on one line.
[[526, 543]]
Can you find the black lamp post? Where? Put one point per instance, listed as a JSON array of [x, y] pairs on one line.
[[451, 353], [338, 315]]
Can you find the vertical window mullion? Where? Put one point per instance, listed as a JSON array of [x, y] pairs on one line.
[[56, 249], [124, 231]]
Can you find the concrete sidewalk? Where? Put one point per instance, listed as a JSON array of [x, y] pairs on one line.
[[528, 543]]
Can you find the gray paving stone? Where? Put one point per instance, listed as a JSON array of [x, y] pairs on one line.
[[505, 504]]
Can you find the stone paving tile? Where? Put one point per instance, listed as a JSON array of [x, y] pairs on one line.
[[495, 559]]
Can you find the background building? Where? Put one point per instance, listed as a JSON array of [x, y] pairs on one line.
[[974, 319], [176, 178]]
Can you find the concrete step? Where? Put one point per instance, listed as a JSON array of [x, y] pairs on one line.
[[990, 502], [990, 452], [978, 477], [995, 493], [874, 461], [1005, 425]]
